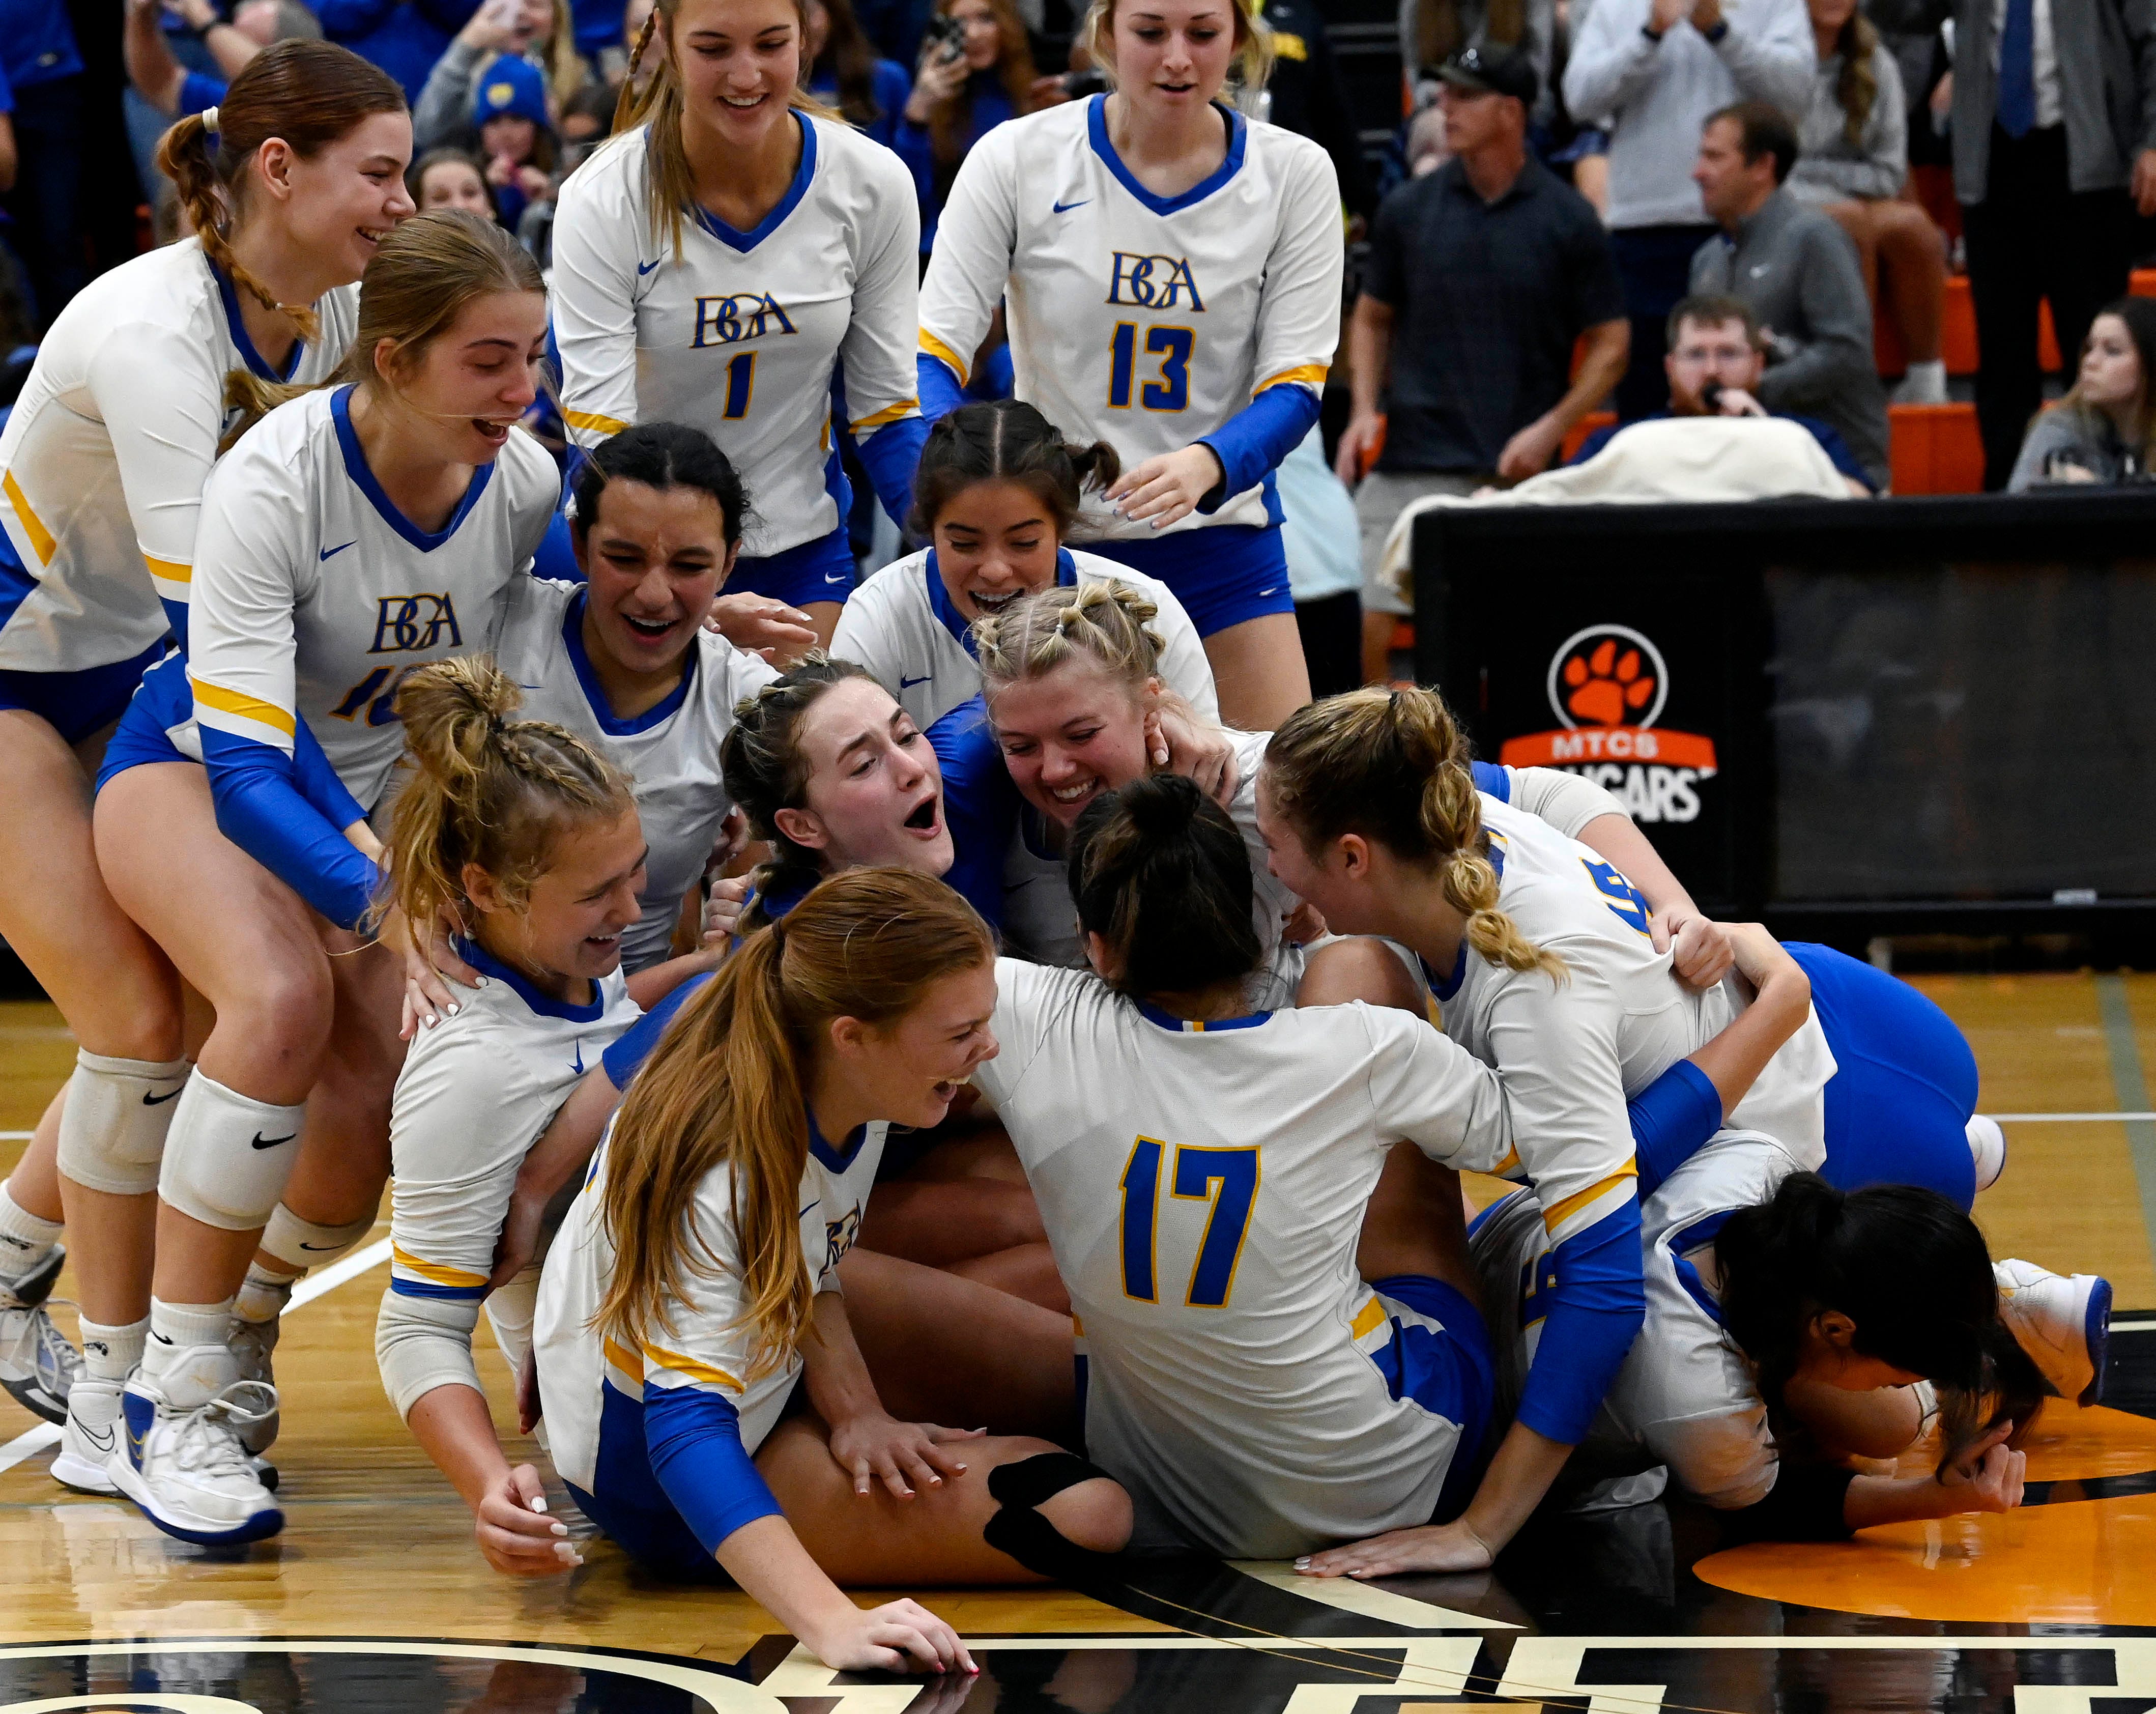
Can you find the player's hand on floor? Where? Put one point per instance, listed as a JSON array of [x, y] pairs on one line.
[[1442, 1546], [1702, 953], [899, 1636], [514, 1532], [906, 1457]]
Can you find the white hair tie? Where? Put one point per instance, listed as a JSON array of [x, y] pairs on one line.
[[209, 121]]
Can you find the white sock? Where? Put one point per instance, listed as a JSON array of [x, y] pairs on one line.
[[180, 1327], [263, 1295], [112, 1353], [1925, 383], [25, 1240]]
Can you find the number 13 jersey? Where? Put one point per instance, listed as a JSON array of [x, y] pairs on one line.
[[1146, 322]]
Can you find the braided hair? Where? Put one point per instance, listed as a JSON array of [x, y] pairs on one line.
[[1105, 622], [490, 792]]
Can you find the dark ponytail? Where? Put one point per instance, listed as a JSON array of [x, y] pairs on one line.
[[661, 455], [1907, 1266], [1160, 872], [1007, 440]]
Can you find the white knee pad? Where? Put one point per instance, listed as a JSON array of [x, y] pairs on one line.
[[301, 1245], [228, 1156], [112, 1129], [421, 1343]]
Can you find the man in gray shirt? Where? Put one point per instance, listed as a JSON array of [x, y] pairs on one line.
[[1798, 270]]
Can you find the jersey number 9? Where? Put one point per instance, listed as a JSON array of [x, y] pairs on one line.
[[1227, 1177], [1172, 345]]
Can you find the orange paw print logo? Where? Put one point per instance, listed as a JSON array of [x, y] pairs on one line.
[[1606, 686]]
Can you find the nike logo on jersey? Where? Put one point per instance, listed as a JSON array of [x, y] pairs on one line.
[[1263, 593], [159, 1101], [836, 577], [577, 1064], [803, 1214], [907, 684], [330, 553], [262, 1141], [1065, 208], [645, 268]]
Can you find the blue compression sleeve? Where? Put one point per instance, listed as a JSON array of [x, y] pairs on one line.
[[980, 805], [626, 1053], [695, 1443], [940, 389], [262, 808], [1256, 439], [1492, 780], [176, 616], [1672, 1118], [1596, 1307], [890, 456]]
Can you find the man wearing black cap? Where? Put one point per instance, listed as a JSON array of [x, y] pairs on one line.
[[1482, 275]]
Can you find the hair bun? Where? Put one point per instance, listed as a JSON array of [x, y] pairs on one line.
[[1161, 805]]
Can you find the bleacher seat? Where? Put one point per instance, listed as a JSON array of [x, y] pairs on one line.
[[1935, 449]]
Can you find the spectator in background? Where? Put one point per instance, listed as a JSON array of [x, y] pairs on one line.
[[961, 91], [159, 78], [1324, 571], [2053, 115], [1715, 362], [8, 164], [1482, 276], [1657, 69], [1432, 31], [1305, 96], [1852, 160], [537, 31], [43, 71], [1798, 270], [2103, 430], [449, 178], [403, 36], [515, 139], [845, 72]]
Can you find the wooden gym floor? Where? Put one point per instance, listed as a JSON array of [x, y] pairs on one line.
[[373, 1598]]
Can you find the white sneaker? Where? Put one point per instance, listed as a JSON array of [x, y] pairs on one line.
[[252, 1343], [38, 1365], [2064, 1323], [180, 1460], [89, 1437], [1987, 1148]]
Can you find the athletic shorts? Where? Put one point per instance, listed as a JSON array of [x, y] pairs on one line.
[[1222, 576], [166, 700], [822, 570], [75, 704], [1898, 1105], [1450, 1370]]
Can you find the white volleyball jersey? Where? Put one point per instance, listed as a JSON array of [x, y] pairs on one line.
[[1685, 1398], [670, 751], [105, 455], [1572, 1052], [476, 1091], [316, 595], [740, 335], [902, 625], [1203, 1188], [1040, 923], [1142, 320], [704, 1343]]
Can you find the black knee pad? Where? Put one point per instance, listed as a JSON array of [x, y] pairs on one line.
[[1020, 1529]]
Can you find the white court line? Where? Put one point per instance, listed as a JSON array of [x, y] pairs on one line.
[[26, 1445], [2070, 1118]]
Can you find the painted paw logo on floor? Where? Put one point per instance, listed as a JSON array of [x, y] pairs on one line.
[[1607, 685]]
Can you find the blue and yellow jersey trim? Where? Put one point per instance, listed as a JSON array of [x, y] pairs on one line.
[[42, 542], [1619, 1187], [1198, 1026], [594, 422], [689, 1368], [174, 578], [1303, 374], [241, 706], [943, 354], [410, 1276], [892, 414]]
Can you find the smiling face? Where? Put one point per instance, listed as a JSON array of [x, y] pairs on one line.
[[995, 541], [907, 1071], [737, 61], [454, 184], [469, 386], [653, 559], [510, 134], [339, 204], [567, 931], [874, 793], [1172, 54], [1070, 734], [2111, 365]]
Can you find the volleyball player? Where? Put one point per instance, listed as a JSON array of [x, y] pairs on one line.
[[531, 840], [291, 184], [716, 264], [695, 1282], [351, 534], [1170, 275], [997, 491]]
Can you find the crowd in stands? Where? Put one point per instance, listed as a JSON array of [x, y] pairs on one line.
[[1667, 208]]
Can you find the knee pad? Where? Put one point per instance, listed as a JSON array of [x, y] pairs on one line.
[[112, 1129], [301, 1245], [421, 1343], [228, 1156], [1019, 1530]]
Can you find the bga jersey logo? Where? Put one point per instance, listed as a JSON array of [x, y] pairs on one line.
[[739, 316], [403, 623], [1153, 283], [1607, 685], [839, 1235]]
